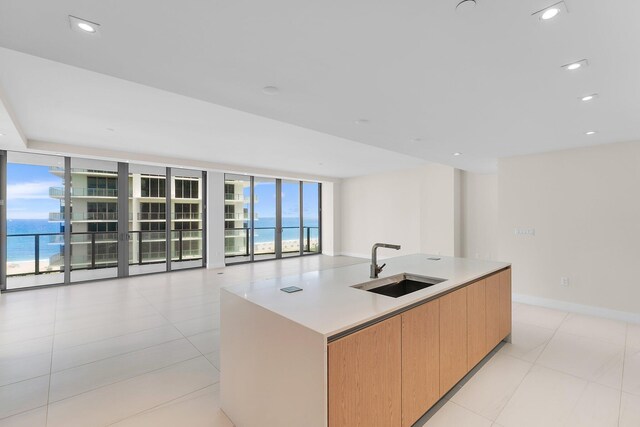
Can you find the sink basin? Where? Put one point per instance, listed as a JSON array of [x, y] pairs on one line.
[[398, 285]]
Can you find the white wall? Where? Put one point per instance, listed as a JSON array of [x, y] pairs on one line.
[[585, 207], [331, 218], [414, 208], [479, 212], [440, 207]]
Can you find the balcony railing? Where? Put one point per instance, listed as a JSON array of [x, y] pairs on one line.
[[241, 247], [58, 192], [237, 216], [94, 250], [238, 197], [85, 216]]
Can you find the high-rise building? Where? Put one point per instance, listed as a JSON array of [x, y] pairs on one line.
[[94, 218]]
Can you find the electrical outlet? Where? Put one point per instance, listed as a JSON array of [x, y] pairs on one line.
[[564, 281], [524, 231]]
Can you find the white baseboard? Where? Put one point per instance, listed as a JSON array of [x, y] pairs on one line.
[[590, 310], [354, 255]]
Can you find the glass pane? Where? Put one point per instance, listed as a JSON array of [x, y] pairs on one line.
[[237, 207], [264, 218], [94, 219], [35, 223], [311, 217], [186, 219], [290, 218], [147, 219]]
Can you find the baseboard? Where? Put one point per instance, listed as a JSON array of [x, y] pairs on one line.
[[590, 310], [354, 255]]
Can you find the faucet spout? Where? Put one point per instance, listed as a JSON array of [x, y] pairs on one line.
[[375, 268]]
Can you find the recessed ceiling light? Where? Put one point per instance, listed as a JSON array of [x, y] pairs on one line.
[[416, 139], [83, 26], [270, 90], [572, 66], [591, 132], [551, 11], [1, 134], [362, 122], [86, 27], [457, 154], [591, 97], [111, 129]]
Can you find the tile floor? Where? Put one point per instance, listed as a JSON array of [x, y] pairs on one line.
[[145, 352]]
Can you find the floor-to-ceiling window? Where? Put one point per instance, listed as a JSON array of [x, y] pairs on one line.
[[148, 219], [187, 219], [264, 218], [311, 208], [94, 219], [70, 220], [290, 202], [237, 218], [35, 202], [267, 218]]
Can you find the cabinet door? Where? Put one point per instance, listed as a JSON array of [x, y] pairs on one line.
[[505, 303], [365, 377], [493, 311], [476, 323], [453, 339], [420, 360]]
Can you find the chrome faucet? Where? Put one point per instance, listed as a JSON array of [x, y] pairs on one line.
[[375, 269]]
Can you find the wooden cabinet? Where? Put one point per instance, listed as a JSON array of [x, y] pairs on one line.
[[493, 311], [390, 373], [453, 338], [505, 302], [365, 376], [476, 323], [420, 360]]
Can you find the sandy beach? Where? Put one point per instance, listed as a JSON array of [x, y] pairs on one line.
[[287, 246], [28, 267]]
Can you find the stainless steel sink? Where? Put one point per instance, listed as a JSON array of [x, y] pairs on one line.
[[398, 285]]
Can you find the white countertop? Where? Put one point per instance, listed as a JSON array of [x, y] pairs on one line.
[[329, 305]]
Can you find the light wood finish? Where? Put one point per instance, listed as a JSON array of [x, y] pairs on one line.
[[476, 323], [420, 361], [505, 303], [493, 311], [365, 377], [453, 339]]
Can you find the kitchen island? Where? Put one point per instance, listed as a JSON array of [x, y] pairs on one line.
[[335, 355]]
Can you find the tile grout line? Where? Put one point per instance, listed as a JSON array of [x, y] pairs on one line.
[[168, 402], [53, 340], [128, 379], [179, 331], [624, 361], [533, 364], [115, 355]]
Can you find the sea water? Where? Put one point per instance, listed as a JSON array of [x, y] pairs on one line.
[[23, 248]]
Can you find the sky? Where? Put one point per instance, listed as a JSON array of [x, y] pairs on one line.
[[28, 191], [266, 194], [28, 195]]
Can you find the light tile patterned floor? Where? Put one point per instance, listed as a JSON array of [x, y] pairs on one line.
[[145, 352]]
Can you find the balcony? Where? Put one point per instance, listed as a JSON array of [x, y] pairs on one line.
[[58, 192], [238, 197], [84, 216], [237, 216]]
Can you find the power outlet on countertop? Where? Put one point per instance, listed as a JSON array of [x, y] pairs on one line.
[[564, 282]]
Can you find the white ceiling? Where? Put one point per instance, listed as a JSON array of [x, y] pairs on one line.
[[487, 83]]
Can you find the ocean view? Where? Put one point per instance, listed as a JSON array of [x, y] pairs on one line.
[[23, 248]]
